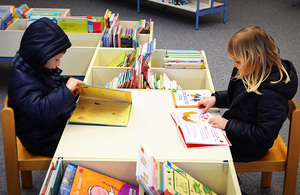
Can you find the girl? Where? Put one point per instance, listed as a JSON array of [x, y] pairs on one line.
[[257, 95]]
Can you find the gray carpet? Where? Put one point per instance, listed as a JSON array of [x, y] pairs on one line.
[[175, 29]]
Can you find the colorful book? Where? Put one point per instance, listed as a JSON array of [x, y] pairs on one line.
[[118, 61], [177, 181], [195, 130], [146, 172], [73, 24], [88, 182], [67, 180], [102, 106], [185, 98]]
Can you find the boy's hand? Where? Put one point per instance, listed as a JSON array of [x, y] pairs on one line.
[[74, 85]]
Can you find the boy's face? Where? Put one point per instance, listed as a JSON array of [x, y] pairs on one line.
[[52, 63]]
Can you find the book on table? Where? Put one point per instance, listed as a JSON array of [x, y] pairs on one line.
[[195, 130], [102, 106], [189, 97]]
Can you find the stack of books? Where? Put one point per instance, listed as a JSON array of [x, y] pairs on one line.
[[184, 59], [6, 15]]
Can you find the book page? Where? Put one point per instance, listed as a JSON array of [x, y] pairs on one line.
[[195, 128]]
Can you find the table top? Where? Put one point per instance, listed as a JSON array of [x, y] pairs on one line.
[[150, 125]]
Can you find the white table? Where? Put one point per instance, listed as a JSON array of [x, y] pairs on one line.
[[113, 150]]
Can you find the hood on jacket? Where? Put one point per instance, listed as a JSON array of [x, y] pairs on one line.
[[42, 40], [289, 89]]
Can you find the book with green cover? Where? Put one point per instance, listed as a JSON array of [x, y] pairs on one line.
[[118, 61], [102, 106], [177, 181]]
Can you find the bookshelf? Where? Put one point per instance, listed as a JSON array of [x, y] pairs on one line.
[[199, 7], [86, 57]]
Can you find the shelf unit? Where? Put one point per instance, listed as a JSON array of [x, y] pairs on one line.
[[200, 7], [87, 58]]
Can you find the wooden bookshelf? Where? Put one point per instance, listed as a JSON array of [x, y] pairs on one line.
[[199, 7]]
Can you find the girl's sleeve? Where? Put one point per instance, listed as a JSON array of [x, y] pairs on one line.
[[221, 99], [272, 109]]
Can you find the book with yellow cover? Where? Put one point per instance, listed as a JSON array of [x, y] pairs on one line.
[[73, 24], [177, 181], [102, 106], [89, 182]]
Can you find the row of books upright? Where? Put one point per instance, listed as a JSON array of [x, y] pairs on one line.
[[117, 36], [166, 178], [6, 15], [77, 179]]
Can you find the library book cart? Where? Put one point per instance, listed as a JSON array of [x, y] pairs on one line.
[[113, 150], [199, 7]]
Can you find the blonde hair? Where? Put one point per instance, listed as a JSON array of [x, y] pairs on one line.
[[256, 50]]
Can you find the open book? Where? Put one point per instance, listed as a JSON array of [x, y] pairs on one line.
[[102, 106], [195, 129]]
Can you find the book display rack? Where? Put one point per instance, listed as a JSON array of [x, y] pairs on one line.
[[199, 7], [113, 150]]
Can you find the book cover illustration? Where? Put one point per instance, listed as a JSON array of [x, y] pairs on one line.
[[67, 180], [146, 172], [90, 182], [102, 106], [177, 181], [195, 130], [189, 98]]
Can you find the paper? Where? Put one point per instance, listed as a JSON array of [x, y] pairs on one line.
[[195, 129]]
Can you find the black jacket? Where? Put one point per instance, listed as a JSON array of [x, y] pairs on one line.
[[254, 120], [41, 110]]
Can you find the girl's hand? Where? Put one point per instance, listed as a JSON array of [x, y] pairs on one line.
[[218, 122], [74, 85], [207, 103]]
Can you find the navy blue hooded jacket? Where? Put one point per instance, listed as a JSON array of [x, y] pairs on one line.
[[39, 96], [254, 120]]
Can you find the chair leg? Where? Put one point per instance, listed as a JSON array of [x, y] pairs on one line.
[[290, 180], [13, 182], [26, 178], [266, 179]]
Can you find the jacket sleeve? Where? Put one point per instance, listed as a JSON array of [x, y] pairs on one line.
[[272, 109], [221, 99], [31, 97]]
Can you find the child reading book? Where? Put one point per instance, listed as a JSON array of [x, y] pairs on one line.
[[42, 99], [257, 96]]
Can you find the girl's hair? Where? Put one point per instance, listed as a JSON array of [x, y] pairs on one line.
[[256, 50]]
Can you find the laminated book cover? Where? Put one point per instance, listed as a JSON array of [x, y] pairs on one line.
[[177, 181], [102, 106], [186, 98], [73, 24], [89, 182]]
